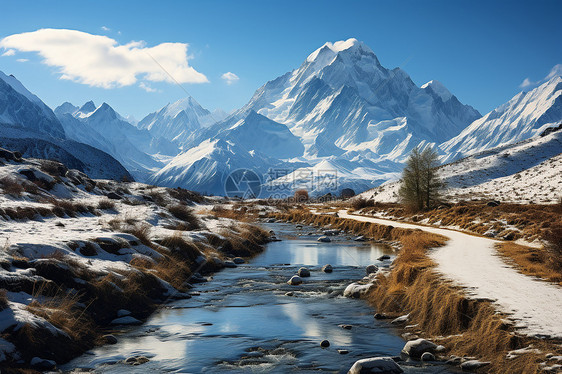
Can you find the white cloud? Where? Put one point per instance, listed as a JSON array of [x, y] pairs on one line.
[[105, 28], [147, 88], [526, 83], [22, 60], [9, 52], [100, 61], [555, 71], [230, 77]]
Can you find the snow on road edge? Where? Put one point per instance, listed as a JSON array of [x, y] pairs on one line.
[[472, 262]]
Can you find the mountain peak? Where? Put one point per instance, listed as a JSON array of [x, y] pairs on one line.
[[88, 107], [349, 45], [106, 111], [439, 89]]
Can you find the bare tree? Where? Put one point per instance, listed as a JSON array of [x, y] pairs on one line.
[[420, 184]]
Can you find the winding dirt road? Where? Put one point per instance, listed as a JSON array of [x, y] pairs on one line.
[[472, 262]]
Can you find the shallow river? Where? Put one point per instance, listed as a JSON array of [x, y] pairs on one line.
[[242, 322]]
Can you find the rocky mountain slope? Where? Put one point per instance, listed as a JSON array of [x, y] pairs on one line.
[[526, 115], [30, 127]]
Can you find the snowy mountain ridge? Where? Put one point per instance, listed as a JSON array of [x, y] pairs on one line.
[[177, 121], [526, 115], [524, 172], [102, 127], [29, 126]]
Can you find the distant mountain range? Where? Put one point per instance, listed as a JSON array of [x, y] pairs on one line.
[[340, 120], [29, 126]]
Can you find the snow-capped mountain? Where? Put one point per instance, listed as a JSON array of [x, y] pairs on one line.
[[527, 171], [102, 127], [177, 121], [254, 142], [526, 115], [340, 114], [342, 97], [29, 126], [206, 167], [23, 110], [259, 133]]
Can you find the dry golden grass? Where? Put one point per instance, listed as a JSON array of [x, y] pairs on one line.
[[441, 311], [532, 221], [531, 261], [186, 215]]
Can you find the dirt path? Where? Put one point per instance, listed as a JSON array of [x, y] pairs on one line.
[[472, 262]]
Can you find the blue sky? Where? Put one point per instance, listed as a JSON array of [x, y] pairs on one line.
[[481, 50]]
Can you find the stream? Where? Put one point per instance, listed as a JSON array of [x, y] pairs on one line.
[[241, 321]]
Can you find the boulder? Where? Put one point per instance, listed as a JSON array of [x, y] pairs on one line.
[[416, 348], [327, 268], [114, 196], [123, 313], [380, 316], [303, 272], [295, 280], [472, 365], [324, 344], [384, 257], [360, 239], [331, 232], [230, 264], [238, 260], [324, 239], [401, 319], [356, 290], [346, 327], [109, 339], [127, 320], [42, 364], [428, 356], [343, 351], [371, 269], [379, 365]]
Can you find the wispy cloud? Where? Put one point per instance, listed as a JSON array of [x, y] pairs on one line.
[[9, 52], [100, 61], [105, 28], [147, 88], [22, 60], [230, 77], [555, 71]]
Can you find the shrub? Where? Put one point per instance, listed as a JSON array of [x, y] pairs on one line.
[[361, 202], [106, 204], [301, 196], [141, 232], [11, 186], [185, 214]]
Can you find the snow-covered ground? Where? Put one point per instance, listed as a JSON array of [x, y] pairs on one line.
[[529, 171], [86, 228], [472, 262]]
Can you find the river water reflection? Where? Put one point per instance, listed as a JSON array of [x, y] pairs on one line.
[[242, 321]]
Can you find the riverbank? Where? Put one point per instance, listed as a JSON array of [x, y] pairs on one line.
[[438, 309], [82, 257]]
